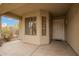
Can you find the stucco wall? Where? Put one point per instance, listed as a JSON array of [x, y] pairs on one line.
[[73, 27], [34, 39]]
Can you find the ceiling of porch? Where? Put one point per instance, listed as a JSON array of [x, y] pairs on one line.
[[56, 9]]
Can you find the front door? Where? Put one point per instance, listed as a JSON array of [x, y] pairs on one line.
[[58, 29]]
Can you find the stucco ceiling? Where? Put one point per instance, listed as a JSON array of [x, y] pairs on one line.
[[56, 9]]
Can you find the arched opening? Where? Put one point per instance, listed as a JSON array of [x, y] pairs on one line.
[[9, 27]]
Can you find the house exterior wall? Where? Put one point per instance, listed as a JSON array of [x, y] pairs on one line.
[[38, 38], [73, 27]]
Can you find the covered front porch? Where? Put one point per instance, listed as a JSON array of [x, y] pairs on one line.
[[43, 29]]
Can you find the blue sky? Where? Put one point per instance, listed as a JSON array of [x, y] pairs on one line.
[[9, 21]]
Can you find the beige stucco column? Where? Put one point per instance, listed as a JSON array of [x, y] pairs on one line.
[[44, 39]]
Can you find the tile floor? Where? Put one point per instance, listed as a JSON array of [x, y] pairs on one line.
[[18, 48], [56, 48]]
